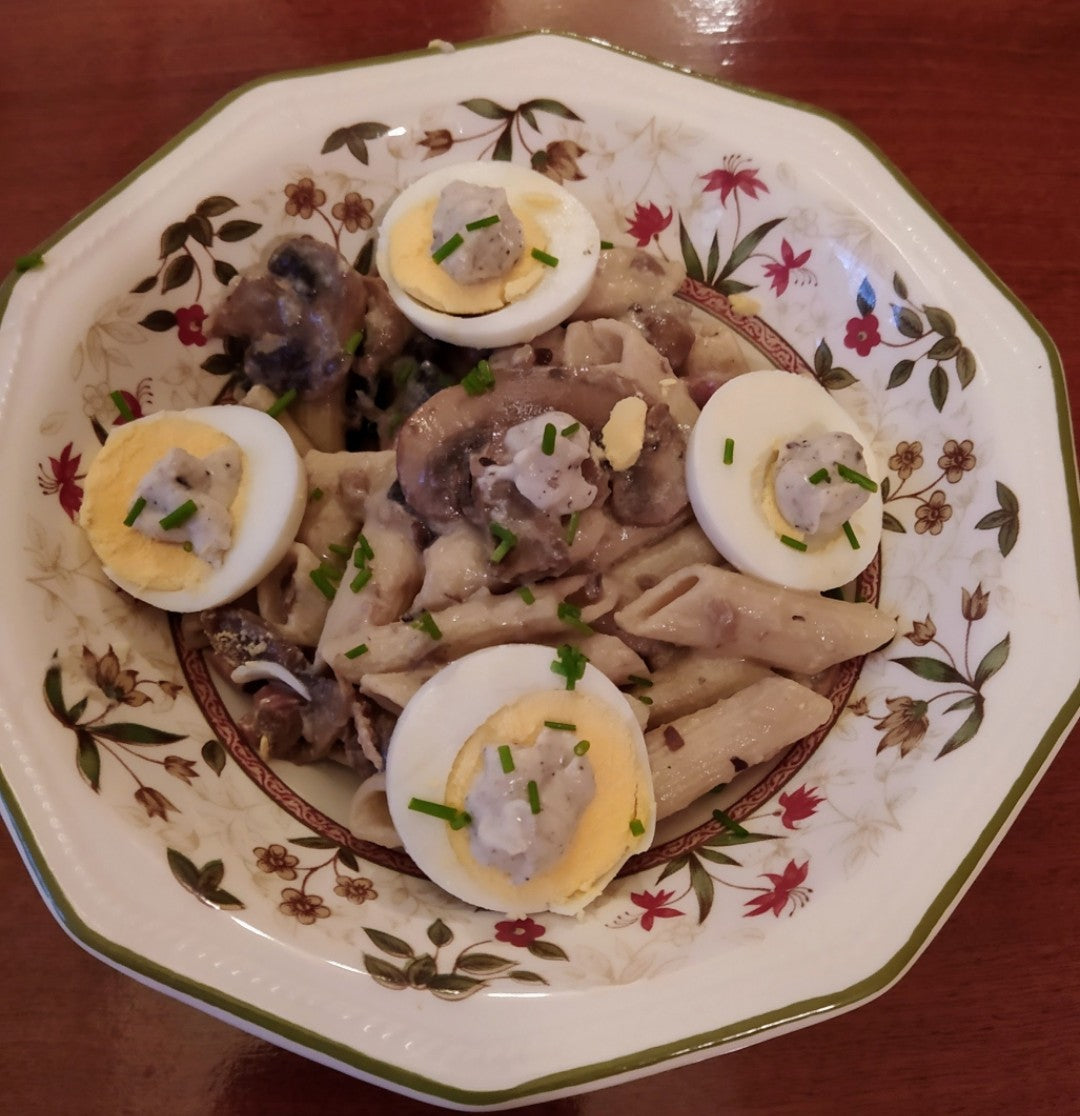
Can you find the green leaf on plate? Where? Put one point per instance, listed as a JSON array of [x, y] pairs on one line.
[[907, 321], [704, 889], [965, 366], [547, 951], [173, 238], [901, 373], [177, 273], [933, 670], [388, 943], [526, 977], [128, 732], [187, 875], [313, 842], [159, 321], [545, 104], [741, 252], [144, 285], [88, 759], [940, 321], [504, 146], [483, 964], [389, 976], [452, 986], [202, 232], [889, 522], [439, 934], [964, 733], [945, 349], [224, 272], [214, 756], [992, 662], [691, 260], [233, 231], [486, 108], [939, 386], [214, 206], [54, 694]]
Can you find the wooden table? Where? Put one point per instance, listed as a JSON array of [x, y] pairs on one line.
[[979, 103]]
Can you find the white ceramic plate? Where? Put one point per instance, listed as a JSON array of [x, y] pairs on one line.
[[235, 888]]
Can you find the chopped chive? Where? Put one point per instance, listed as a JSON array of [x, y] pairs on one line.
[[507, 541], [29, 262], [179, 516], [363, 576], [851, 537], [571, 614], [560, 726], [482, 223], [316, 494], [544, 258], [506, 758], [282, 402], [795, 544], [571, 430], [637, 827], [571, 527], [434, 809], [643, 698], [447, 249], [479, 379], [323, 583], [122, 405], [357, 651], [581, 747], [461, 819], [547, 443], [135, 512], [337, 548], [605, 244], [853, 477], [729, 450], [534, 796], [189, 546], [639, 681], [353, 342], [821, 475], [570, 663], [363, 552], [730, 824], [526, 594], [425, 622]]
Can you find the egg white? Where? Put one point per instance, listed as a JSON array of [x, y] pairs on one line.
[[434, 727], [274, 494], [760, 412], [573, 239]]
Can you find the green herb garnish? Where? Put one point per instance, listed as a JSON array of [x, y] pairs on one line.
[[122, 405], [458, 819], [605, 244], [637, 827], [353, 342], [526, 594], [363, 552], [482, 223], [851, 537], [571, 614], [135, 512], [447, 249], [425, 622], [534, 796], [547, 443], [730, 824], [572, 527], [570, 663], [479, 379], [316, 494], [729, 450], [506, 758], [29, 262], [357, 651], [544, 258], [821, 475], [581, 747], [323, 582], [560, 726], [795, 544], [339, 549], [571, 430], [639, 681], [282, 402], [853, 477], [363, 576], [507, 541], [179, 516]]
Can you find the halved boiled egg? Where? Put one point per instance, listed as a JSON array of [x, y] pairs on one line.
[[554, 241], [512, 791], [783, 482], [190, 509]]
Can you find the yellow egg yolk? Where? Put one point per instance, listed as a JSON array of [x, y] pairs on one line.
[[129, 453], [603, 836], [424, 280]]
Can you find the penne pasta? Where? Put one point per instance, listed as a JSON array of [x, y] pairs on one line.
[[688, 546], [709, 607], [691, 755], [695, 679]]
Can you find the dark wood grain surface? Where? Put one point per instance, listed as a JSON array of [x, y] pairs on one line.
[[979, 104]]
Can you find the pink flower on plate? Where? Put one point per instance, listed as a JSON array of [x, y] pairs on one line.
[[779, 271], [786, 890], [797, 805], [648, 223], [863, 334], [62, 480], [518, 931], [654, 906], [734, 177], [189, 325]]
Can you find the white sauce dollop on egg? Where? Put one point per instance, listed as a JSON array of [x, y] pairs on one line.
[[735, 503], [538, 296], [440, 753], [265, 512]]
